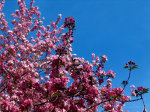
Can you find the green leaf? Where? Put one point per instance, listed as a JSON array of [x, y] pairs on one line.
[[145, 91], [61, 75], [15, 86], [56, 94], [126, 66], [102, 92], [135, 67]]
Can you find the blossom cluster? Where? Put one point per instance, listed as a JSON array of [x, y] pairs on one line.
[[35, 71]]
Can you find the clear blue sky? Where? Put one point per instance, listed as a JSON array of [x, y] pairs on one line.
[[119, 29]]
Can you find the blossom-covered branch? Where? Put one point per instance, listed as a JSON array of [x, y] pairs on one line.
[[39, 73]]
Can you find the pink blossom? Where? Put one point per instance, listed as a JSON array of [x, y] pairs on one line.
[[60, 16], [39, 72], [133, 94], [111, 74], [132, 86], [104, 58], [93, 55]]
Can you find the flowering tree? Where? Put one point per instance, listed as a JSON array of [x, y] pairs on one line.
[[36, 65]]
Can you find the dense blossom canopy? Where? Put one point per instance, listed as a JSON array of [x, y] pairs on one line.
[[37, 64]]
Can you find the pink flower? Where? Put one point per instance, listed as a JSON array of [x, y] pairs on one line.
[[111, 74], [132, 86], [47, 77], [60, 16], [93, 55], [109, 80], [28, 103], [97, 59], [104, 58], [133, 94]]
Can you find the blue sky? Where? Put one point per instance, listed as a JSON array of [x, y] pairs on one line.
[[119, 29]]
